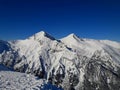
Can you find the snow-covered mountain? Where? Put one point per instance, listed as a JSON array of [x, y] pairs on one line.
[[70, 62]]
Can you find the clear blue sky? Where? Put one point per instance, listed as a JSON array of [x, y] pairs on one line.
[[97, 19]]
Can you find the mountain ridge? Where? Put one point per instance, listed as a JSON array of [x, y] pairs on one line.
[[70, 62]]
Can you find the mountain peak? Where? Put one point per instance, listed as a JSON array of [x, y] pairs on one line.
[[72, 39], [40, 35], [72, 36]]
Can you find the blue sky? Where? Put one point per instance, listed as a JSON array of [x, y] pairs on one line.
[[97, 19]]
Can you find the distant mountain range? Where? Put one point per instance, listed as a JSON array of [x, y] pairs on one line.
[[72, 63]]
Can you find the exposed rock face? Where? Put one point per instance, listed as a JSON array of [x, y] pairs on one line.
[[71, 62], [99, 75]]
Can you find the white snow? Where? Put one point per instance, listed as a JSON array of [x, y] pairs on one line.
[[87, 47], [11, 80]]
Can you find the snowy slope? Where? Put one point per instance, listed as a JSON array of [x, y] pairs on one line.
[[70, 62], [88, 46], [11, 80]]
